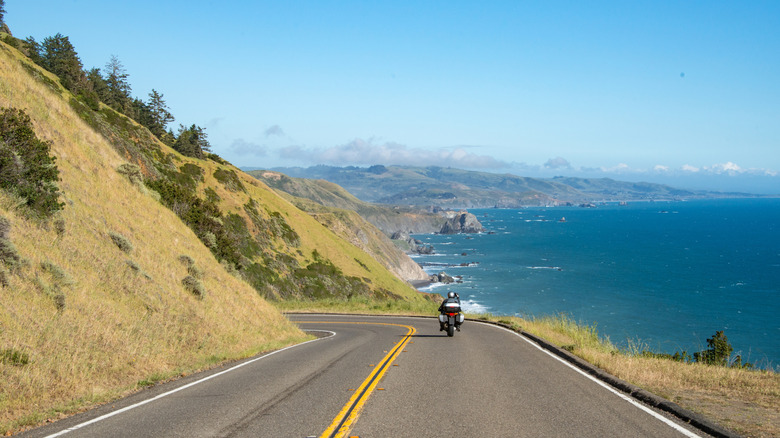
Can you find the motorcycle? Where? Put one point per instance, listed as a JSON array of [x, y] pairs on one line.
[[451, 318]]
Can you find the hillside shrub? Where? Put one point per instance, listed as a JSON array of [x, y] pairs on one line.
[[216, 158], [27, 168], [59, 299], [136, 268], [212, 196], [719, 351], [56, 272], [230, 180], [191, 268], [9, 256], [275, 227], [10, 40], [194, 286], [121, 242], [133, 266], [195, 172], [282, 229], [186, 260], [132, 172], [59, 226]]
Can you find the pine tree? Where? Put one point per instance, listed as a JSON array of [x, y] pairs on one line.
[[192, 142], [118, 87], [141, 113], [59, 57], [2, 12], [161, 116], [98, 84], [33, 51]]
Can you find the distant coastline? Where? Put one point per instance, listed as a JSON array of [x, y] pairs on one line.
[[665, 276]]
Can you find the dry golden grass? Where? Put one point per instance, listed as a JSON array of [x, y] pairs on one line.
[[119, 325], [423, 306]]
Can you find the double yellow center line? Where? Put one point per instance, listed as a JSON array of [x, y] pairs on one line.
[[351, 411]]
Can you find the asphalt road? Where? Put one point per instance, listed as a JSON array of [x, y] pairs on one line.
[[381, 377]]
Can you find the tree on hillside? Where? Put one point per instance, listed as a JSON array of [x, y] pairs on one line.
[[161, 116], [2, 12], [140, 112], [59, 57], [33, 50], [719, 351], [98, 84], [192, 142], [118, 96]]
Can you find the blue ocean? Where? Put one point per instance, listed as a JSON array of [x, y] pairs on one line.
[[662, 275]]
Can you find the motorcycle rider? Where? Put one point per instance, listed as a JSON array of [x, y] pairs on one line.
[[452, 297]]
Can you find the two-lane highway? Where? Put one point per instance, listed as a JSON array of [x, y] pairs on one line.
[[381, 377]]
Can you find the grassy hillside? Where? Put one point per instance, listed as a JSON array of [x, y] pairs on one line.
[[156, 266], [387, 219], [345, 215]]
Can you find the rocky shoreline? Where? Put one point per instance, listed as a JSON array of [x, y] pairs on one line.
[[461, 222]]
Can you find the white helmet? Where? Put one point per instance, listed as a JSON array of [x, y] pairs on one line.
[[451, 294]]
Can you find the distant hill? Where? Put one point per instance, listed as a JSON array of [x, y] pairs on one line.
[[389, 219], [456, 188]]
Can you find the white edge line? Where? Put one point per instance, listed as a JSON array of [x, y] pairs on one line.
[[639, 405], [127, 408]]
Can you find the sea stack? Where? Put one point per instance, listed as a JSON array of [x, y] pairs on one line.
[[462, 222]]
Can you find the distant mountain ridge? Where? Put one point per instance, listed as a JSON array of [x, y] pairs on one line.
[[456, 188]]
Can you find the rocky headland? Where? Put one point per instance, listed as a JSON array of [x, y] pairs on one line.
[[460, 222]]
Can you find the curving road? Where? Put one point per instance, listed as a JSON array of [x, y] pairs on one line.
[[381, 377]]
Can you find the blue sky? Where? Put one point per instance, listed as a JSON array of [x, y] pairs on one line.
[[680, 92]]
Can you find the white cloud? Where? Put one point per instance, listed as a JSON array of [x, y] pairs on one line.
[[557, 163], [660, 168], [689, 168], [367, 152], [243, 147], [274, 130], [620, 168], [728, 168]]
